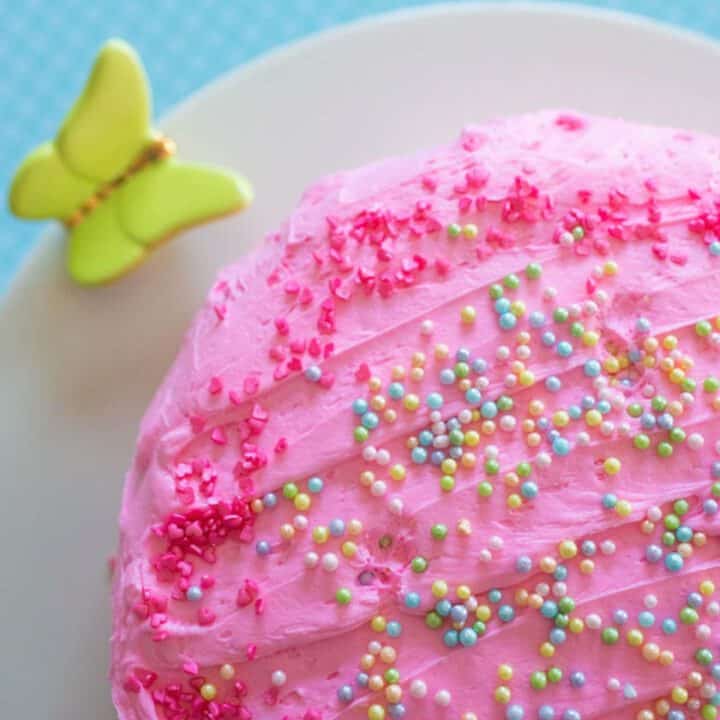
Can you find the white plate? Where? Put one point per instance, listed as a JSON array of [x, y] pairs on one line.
[[78, 367]]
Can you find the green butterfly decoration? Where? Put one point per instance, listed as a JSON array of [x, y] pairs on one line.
[[113, 181]]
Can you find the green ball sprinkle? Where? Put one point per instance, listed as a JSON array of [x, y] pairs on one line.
[[533, 271], [419, 564], [635, 410], [715, 489], [641, 441], [479, 627], [555, 674], [496, 291], [681, 506], [704, 656], [456, 437], [447, 483], [538, 680], [454, 230], [689, 385], [709, 712], [566, 605], [561, 620], [664, 449], [676, 435], [703, 328], [689, 616], [577, 329], [360, 434], [504, 403], [658, 403], [578, 232], [610, 636], [290, 490], [461, 370], [433, 620], [343, 596], [524, 469], [439, 531], [668, 539], [392, 676], [492, 466], [485, 489], [511, 281], [560, 315], [672, 521], [711, 384]]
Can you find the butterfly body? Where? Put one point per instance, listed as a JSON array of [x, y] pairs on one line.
[[113, 181]]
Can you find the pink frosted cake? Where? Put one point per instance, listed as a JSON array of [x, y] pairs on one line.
[[446, 447]]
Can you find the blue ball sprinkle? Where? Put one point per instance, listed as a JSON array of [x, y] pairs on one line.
[[359, 406], [669, 626], [653, 553], [714, 248], [362, 679], [715, 672], [458, 613], [529, 490], [315, 484], [451, 639], [575, 412], [394, 628], [609, 501], [412, 600], [502, 306], [571, 714], [479, 365], [603, 407], [434, 401], [443, 607], [548, 338], [676, 715], [418, 455], [473, 396], [495, 596], [453, 424], [447, 376], [620, 617], [345, 693], [564, 349], [313, 373], [684, 534], [695, 600], [536, 319], [370, 420], [425, 438], [588, 548], [553, 434], [336, 527], [515, 712], [674, 562], [665, 421], [194, 593], [489, 409], [715, 469], [462, 355], [456, 452], [396, 710], [396, 390], [561, 446], [262, 547], [647, 421], [588, 402], [437, 457], [543, 423], [506, 613], [558, 636], [592, 368], [468, 637], [523, 564], [642, 325], [646, 619], [577, 679], [549, 609], [546, 712], [710, 507], [270, 500], [561, 573], [553, 383]]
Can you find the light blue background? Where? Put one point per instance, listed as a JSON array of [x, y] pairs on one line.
[[47, 47]]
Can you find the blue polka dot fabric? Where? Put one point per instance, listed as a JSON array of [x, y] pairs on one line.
[[48, 45]]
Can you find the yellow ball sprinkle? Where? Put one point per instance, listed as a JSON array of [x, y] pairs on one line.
[[587, 566], [470, 231], [645, 714], [611, 365], [567, 549], [666, 657], [208, 692], [667, 364], [593, 418], [376, 712], [612, 465], [635, 638], [707, 587], [547, 650], [669, 342], [302, 501], [374, 384], [651, 345], [649, 361], [411, 402], [468, 314], [502, 694], [517, 308], [623, 508], [677, 376], [590, 338], [610, 268], [354, 527], [560, 419], [448, 466], [320, 534], [441, 351], [227, 671], [367, 661], [576, 625], [393, 693], [472, 438], [483, 613], [527, 425], [651, 652], [349, 549], [439, 588], [397, 472], [526, 378], [505, 672], [378, 623], [388, 654], [514, 501], [463, 592], [679, 695], [287, 531]]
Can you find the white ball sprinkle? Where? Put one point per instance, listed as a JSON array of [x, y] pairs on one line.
[[311, 560], [559, 589], [695, 441], [582, 439], [383, 457], [543, 460], [613, 684], [495, 542], [279, 678], [369, 453], [418, 689], [485, 555], [378, 488], [650, 601], [607, 547], [654, 514], [300, 522], [396, 506], [492, 451], [593, 621], [542, 589], [330, 562], [703, 632], [374, 647], [713, 608], [442, 698], [435, 416], [427, 327]]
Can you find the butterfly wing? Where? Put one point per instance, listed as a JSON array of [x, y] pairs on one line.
[[43, 187], [168, 196], [99, 250], [109, 125]]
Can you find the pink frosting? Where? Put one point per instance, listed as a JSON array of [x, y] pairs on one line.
[[367, 284]]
